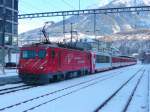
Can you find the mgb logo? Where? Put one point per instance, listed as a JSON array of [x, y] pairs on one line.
[[69, 58]]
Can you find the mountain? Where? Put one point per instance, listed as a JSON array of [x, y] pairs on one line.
[[121, 3], [106, 24], [130, 42]]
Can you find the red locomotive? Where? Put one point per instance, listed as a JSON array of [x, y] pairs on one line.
[[44, 62], [40, 63]]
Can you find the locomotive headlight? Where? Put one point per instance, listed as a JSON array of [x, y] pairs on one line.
[[41, 67], [20, 67]]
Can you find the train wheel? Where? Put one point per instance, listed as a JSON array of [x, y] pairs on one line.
[[67, 76], [62, 77], [79, 73], [87, 72], [83, 72], [55, 78]]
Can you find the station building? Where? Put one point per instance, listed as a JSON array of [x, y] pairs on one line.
[[9, 19], [8, 23]]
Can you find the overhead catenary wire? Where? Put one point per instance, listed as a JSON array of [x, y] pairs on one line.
[[49, 4], [31, 7]]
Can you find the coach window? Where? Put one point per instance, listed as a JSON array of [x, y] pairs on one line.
[[42, 54], [102, 59]]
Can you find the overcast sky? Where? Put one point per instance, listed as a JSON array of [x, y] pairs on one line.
[[33, 6]]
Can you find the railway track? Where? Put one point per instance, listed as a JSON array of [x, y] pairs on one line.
[[24, 87], [17, 82], [105, 102], [74, 91], [11, 86], [84, 83], [148, 93], [15, 89], [14, 79], [18, 88], [132, 94]]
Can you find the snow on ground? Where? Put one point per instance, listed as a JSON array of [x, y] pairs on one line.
[[10, 76], [83, 98], [118, 103], [87, 100], [49, 88], [140, 101], [11, 85], [8, 73], [14, 57]]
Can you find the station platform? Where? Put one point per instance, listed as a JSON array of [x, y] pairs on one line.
[[10, 76]]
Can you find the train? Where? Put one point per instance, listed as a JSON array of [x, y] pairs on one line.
[[43, 63]]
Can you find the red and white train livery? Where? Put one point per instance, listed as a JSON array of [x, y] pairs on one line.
[[40, 63]]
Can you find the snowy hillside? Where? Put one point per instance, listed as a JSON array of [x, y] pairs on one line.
[[130, 42], [129, 2], [105, 24]]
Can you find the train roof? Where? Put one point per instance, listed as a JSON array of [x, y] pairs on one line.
[[103, 53], [54, 45]]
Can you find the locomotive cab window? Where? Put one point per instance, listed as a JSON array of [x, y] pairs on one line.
[[42, 54], [28, 54]]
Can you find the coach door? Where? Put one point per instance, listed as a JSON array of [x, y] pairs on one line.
[[59, 60], [93, 62]]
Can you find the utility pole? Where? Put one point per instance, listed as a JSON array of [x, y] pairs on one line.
[[95, 25], [71, 32], [96, 41], [79, 5], [64, 28]]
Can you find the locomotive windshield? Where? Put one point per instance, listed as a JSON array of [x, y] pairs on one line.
[[28, 54], [42, 54], [31, 54]]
